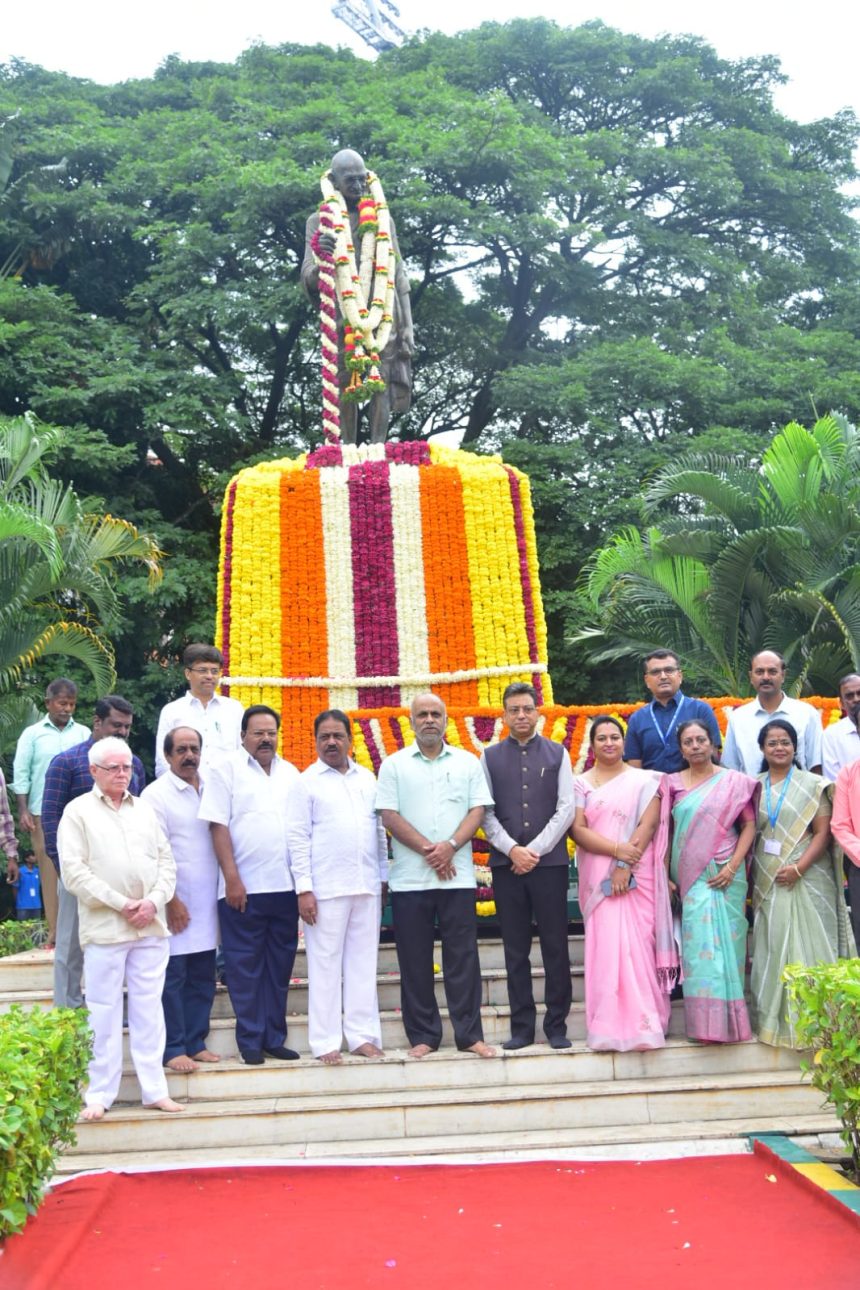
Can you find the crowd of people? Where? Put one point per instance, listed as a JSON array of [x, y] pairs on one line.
[[212, 867]]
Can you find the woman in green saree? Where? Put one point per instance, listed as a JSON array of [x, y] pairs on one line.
[[798, 896]]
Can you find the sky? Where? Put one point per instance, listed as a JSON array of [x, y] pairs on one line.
[[106, 41]]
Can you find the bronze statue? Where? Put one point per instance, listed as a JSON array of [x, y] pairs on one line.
[[392, 364]]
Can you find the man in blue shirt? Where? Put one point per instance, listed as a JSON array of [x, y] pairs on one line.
[[68, 777], [652, 732]]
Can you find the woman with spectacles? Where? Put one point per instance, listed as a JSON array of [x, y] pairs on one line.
[[798, 900]]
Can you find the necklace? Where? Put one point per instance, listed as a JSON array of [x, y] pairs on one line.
[[599, 783]]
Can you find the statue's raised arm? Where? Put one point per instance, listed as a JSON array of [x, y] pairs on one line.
[[352, 264]]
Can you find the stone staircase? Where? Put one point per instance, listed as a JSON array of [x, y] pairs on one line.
[[448, 1104]]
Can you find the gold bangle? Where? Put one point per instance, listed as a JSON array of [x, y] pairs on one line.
[[797, 869]]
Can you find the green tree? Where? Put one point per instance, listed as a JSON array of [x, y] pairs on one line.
[[743, 556], [58, 565]]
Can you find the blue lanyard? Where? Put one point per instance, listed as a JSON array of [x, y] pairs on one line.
[[772, 815], [671, 725]]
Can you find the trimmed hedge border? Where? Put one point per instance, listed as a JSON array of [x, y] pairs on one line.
[[43, 1063]]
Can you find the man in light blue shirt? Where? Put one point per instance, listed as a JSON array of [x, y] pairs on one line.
[[431, 798], [741, 750], [37, 746]]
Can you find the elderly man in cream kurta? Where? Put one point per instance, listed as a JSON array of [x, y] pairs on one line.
[[117, 862]]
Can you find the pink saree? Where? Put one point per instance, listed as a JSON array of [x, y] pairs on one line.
[[631, 962]]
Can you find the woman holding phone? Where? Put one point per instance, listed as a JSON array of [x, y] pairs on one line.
[[631, 963]]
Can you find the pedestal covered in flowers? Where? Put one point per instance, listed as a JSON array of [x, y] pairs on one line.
[[359, 577]]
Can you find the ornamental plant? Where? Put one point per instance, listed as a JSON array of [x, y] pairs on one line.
[[43, 1061], [827, 1002], [18, 937]]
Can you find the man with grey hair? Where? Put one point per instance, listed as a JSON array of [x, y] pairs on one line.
[[117, 862], [431, 798]]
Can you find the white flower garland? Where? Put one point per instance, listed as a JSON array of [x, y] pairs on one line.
[[427, 678], [370, 315]]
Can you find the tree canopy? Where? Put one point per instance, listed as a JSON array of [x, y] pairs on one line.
[[616, 246]]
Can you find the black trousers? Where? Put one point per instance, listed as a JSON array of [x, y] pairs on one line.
[[853, 875], [416, 915], [259, 952], [540, 895]]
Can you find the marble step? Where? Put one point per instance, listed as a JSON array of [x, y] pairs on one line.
[[396, 1072], [34, 970], [495, 1019], [490, 1109], [494, 992], [609, 1141]]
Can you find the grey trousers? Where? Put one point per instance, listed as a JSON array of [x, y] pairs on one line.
[[68, 955]]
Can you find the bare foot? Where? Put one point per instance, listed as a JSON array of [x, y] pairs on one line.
[[206, 1056], [480, 1049], [95, 1111], [330, 1059], [163, 1104], [419, 1050], [367, 1050], [182, 1064]]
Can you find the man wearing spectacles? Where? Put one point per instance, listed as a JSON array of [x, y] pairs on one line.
[[651, 742], [69, 776], [118, 864], [217, 717]]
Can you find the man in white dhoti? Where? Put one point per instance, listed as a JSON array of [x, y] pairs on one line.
[[192, 914], [339, 859], [117, 862]]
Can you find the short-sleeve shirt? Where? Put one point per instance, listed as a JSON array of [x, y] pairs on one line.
[[253, 805], [652, 732], [742, 751], [434, 795]]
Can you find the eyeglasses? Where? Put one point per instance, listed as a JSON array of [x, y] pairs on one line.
[[116, 770], [778, 743], [205, 671], [662, 671]]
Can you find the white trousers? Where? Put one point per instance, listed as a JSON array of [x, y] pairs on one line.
[[342, 949], [142, 965]]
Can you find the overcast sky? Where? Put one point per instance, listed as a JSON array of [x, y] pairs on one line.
[[108, 41]]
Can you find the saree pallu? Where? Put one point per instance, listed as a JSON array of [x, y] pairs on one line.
[[630, 959], [713, 922], [807, 923]]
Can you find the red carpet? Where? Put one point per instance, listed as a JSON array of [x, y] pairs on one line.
[[702, 1223]]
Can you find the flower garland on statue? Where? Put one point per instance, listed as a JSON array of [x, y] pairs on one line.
[[365, 297]]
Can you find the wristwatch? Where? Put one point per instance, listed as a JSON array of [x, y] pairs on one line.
[[621, 864], [452, 843]]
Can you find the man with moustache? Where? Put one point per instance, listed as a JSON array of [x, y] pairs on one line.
[[245, 801], [192, 913], [68, 776], [431, 798], [531, 782], [37, 746], [840, 744], [845, 824], [651, 742], [742, 751], [339, 859]]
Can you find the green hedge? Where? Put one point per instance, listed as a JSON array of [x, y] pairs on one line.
[[43, 1062], [827, 1002], [18, 935]]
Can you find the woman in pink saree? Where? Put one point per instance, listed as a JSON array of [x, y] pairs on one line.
[[631, 962]]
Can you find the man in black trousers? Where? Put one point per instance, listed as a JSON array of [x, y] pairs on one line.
[[531, 780]]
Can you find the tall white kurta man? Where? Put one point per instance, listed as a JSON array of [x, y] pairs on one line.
[[118, 863], [339, 859]]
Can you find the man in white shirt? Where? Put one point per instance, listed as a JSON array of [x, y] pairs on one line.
[[339, 860], [245, 801], [841, 742], [117, 862], [192, 914], [218, 718], [741, 750]]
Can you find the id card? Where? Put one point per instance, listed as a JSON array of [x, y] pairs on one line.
[[772, 847]]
